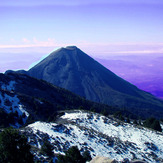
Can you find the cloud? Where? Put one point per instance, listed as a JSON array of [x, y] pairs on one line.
[[140, 52], [48, 43], [46, 46], [31, 43], [25, 40], [112, 49]]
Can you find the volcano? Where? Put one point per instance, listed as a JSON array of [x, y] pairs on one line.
[[74, 70]]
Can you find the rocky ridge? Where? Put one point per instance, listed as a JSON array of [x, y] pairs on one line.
[[101, 135]]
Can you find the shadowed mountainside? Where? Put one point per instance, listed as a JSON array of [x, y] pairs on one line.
[[145, 70], [40, 99], [72, 69]]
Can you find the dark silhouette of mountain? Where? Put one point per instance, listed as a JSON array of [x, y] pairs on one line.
[[72, 69]]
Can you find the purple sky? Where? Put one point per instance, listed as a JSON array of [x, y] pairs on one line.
[[31, 29]]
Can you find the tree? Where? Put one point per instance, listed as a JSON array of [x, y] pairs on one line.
[[128, 120], [156, 126], [47, 149], [104, 112], [121, 118], [87, 156], [72, 155], [152, 123], [135, 122], [14, 147]]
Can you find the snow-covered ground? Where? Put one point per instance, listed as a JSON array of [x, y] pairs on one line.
[[101, 136], [9, 102], [125, 132], [8, 87]]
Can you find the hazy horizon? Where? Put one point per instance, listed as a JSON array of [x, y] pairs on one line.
[[96, 26], [103, 29]]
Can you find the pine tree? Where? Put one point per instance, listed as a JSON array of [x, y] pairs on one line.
[[152, 123], [71, 156], [14, 147], [47, 149], [135, 122], [87, 156], [128, 120]]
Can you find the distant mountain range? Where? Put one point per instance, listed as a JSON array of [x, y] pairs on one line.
[[72, 69]]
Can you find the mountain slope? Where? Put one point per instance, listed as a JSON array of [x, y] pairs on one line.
[[101, 135], [37, 99], [74, 70], [147, 70]]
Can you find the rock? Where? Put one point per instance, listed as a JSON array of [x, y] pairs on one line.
[[99, 159], [137, 161], [125, 160]]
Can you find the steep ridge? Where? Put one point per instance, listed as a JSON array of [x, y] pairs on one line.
[[72, 69], [23, 97]]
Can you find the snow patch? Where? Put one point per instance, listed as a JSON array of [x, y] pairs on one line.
[[12, 104], [22, 110], [9, 102], [125, 132], [9, 87], [101, 136]]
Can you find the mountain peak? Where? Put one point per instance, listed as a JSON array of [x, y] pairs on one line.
[[72, 69], [71, 47]]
